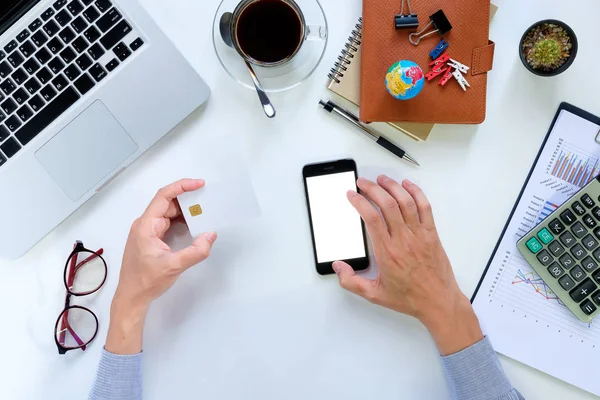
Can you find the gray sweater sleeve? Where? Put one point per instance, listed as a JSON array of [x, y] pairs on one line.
[[475, 373]]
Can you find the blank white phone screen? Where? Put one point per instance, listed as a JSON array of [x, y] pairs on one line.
[[336, 224]]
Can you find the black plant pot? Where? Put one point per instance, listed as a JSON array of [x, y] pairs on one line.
[[563, 67]]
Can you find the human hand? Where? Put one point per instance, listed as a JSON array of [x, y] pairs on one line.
[[415, 275], [149, 267]]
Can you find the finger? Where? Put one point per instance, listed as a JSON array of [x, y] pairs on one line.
[[360, 286], [386, 203], [160, 226], [375, 224], [197, 252], [423, 205], [159, 206], [406, 202], [174, 210]]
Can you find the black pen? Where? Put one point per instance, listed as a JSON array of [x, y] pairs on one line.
[[380, 140]]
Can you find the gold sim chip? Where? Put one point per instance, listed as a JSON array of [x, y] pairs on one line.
[[196, 210]]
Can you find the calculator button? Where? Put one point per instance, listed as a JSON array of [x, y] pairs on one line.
[[566, 282], [579, 230], [578, 251], [589, 264], [578, 274], [588, 307], [582, 291], [578, 208], [597, 232], [556, 248], [544, 257], [567, 261], [545, 236], [589, 242], [567, 217], [533, 245], [557, 227], [567, 239], [589, 221], [587, 201], [596, 213], [596, 297], [555, 270]]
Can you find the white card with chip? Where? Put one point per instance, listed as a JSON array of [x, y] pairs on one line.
[[225, 203]]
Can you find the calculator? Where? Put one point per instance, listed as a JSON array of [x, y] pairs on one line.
[[564, 250]]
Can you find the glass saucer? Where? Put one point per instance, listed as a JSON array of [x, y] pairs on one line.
[[285, 77]]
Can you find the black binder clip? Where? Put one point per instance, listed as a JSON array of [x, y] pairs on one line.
[[406, 21], [440, 23]]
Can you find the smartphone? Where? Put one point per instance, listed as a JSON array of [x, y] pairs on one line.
[[338, 232]]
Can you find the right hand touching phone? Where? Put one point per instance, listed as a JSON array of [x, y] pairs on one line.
[[415, 275]]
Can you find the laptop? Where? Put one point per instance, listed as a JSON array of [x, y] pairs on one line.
[[86, 87]]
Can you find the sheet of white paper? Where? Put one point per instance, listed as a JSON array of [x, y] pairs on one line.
[[522, 317]]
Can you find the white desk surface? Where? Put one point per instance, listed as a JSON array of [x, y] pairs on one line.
[[256, 321]]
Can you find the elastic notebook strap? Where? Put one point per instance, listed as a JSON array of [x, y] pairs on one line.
[[483, 58], [345, 59]]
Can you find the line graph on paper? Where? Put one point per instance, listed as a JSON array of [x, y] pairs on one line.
[[518, 286]]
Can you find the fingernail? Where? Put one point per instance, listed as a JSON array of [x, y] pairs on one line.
[[384, 178], [351, 193], [336, 267], [361, 180], [408, 183], [211, 236]]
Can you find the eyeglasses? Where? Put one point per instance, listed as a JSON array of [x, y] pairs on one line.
[[85, 273]]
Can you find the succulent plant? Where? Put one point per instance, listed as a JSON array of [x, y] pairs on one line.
[[547, 47], [545, 53]]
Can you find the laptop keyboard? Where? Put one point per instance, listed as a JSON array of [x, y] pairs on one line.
[[54, 62]]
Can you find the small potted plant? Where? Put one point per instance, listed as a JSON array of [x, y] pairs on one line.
[[548, 47]]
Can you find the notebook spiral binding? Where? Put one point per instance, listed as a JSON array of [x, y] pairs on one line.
[[355, 39]]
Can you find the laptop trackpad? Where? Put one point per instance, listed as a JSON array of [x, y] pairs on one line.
[[86, 151]]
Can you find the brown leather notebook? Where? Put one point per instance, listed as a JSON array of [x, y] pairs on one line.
[[383, 45]]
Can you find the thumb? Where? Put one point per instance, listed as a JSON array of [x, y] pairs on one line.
[[353, 283], [197, 252]]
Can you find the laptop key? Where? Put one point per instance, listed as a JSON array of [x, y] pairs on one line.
[[68, 55], [35, 25], [56, 65], [12, 124], [44, 76], [2, 55], [63, 17], [20, 96], [97, 72], [10, 147], [103, 5], [72, 72], [60, 83], [31, 66], [24, 113], [5, 69], [46, 15], [108, 20], [2, 118], [2, 158], [15, 59], [80, 45], [39, 38], [36, 103], [32, 86], [19, 76], [43, 56], [51, 28], [27, 49], [91, 14], [92, 34], [58, 4], [79, 24], [55, 45], [136, 44], [116, 34], [96, 51], [8, 106], [47, 115], [4, 133], [114, 63], [84, 62], [84, 84], [124, 54], [10, 46], [48, 92], [67, 34], [8, 86], [75, 7], [119, 48], [21, 37]]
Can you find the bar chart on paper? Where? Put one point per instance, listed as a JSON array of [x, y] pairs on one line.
[[573, 164]]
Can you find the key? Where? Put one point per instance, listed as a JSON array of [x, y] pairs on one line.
[[583, 290], [533, 245], [8, 106], [84, 62], [79, 24], [556, 226], [4, 133], [55, 45], [596, 254], [60, 82], [15, 59], [124, 54], [588, 307], [116, 34], [567, 239], [108, 20], [92, 34], [13, 124], [10, 46], [587, 201], [579, 230], [578, 251], [44, 76], [556, 249], [51, 28], [27, 49], [87, 2], [39, 38], [72, 72], [2, 158], [31, 66], [136, 44], [20, 96], [555, 270], [578, 208], [97, 72], [68, 55], [596, 276], [544, 257], [91, 14], [96, 51], [596, 213], [48, 92], [24, 113], [590, 242], [2, 118], [567, 261], [46, 15], [577, 273], [589, 221], [103, 5], [2, 55], [5, 69], [596, 297], [35, 25], [75, 7], [8, 86], [19, 76], [36, 103], [119, 48], [67, 35], [32, 86], [56, 65], [84, 84], [43, 56], [597, 232], [80, 45], [10, 147], [63, 17], [567, 217], [22, 36], [114, 63], [59, 4], [589, 264], [47, 115], [566, 283]]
